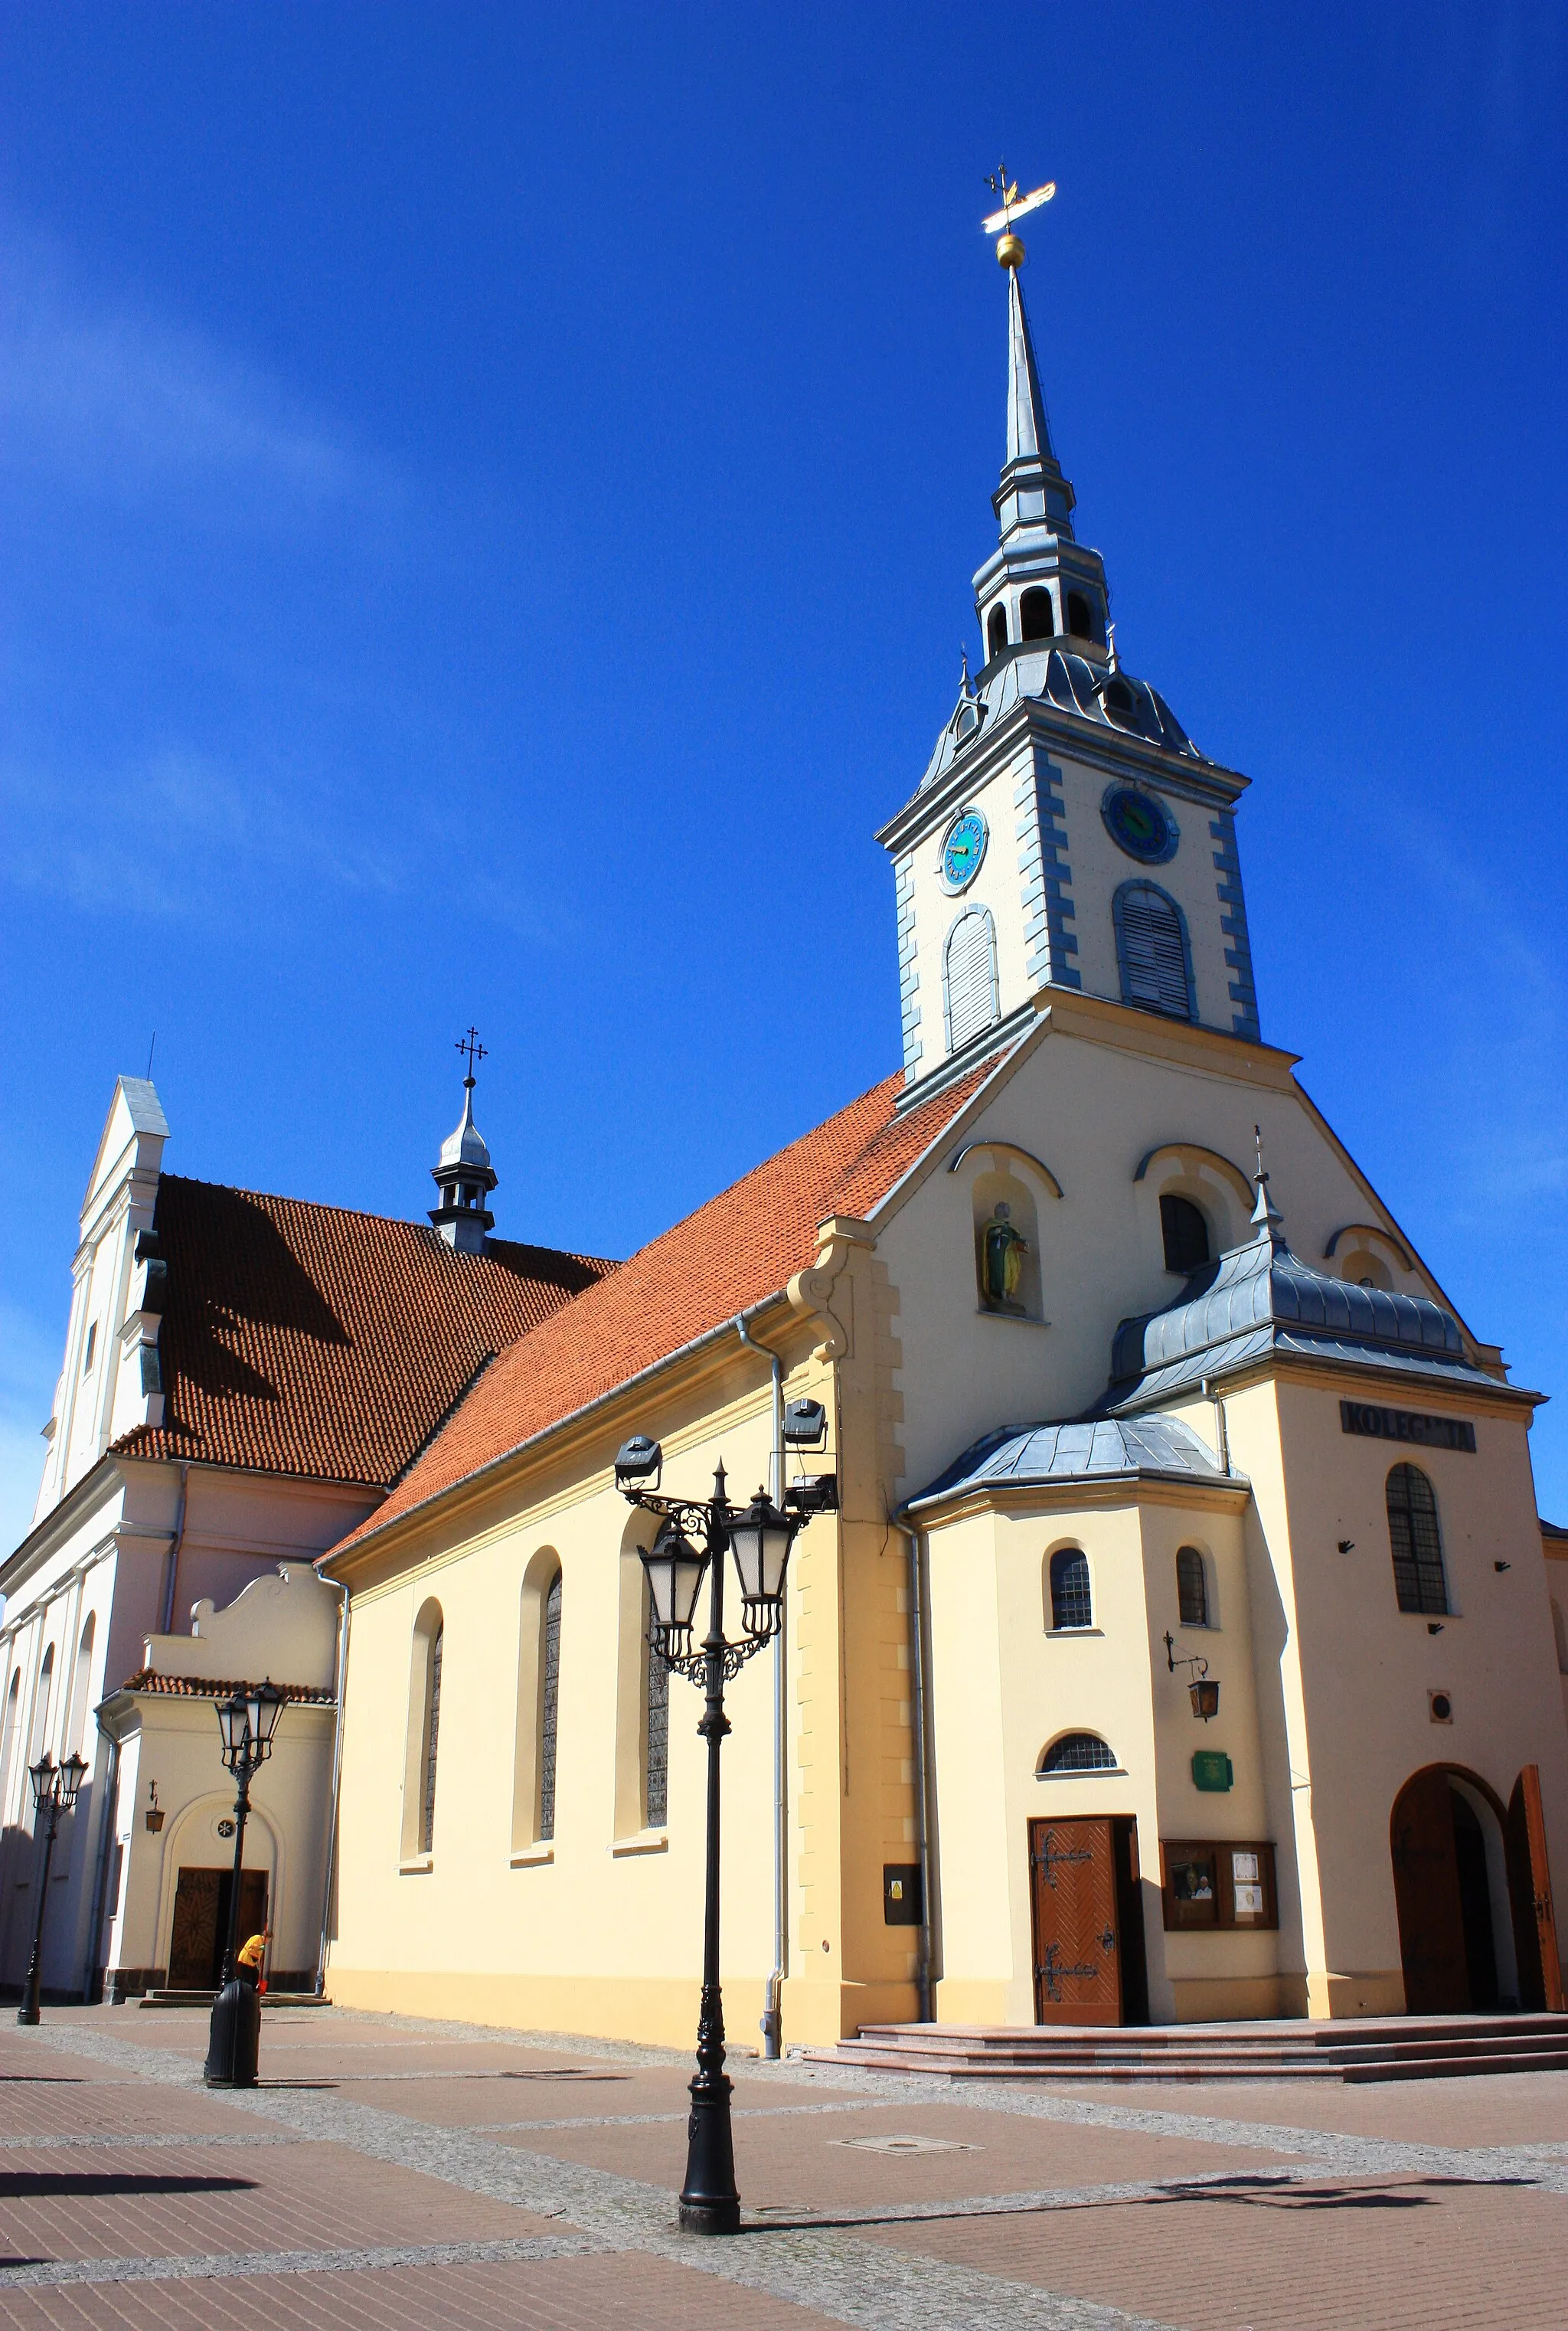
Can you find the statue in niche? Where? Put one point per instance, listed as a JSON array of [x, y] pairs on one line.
[[1002, 1250]]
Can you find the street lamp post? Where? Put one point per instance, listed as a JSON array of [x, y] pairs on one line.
[[694, 1537], [54, 1792], [246, 1724]]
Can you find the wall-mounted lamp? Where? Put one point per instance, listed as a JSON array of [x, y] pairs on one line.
[[1502, 1565], [1434, 1626], [1204, 1688], [1348, 1546], [155, 1811]]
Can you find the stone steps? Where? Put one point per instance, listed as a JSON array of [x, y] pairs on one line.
[[1403, 2048]]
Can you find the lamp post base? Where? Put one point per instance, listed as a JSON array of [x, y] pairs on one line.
[[27, 2014], [710, 2217], [234, 2039]]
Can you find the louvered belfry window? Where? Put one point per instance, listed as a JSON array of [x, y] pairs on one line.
[[1416, 1542], [969, 977], [1151, 950]]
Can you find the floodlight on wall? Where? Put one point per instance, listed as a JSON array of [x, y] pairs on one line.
[[805, 1424], [639, 1463]]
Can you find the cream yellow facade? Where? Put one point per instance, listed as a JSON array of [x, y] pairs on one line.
[[1326, 1704]]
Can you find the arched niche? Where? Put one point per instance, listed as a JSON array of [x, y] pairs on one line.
[[1007, 1186], [1366, 1256], [1206, 1179]]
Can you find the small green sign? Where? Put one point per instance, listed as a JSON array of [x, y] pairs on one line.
[[1211, 1769]]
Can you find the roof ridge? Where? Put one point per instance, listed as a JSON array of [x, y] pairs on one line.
[[366, 1214]]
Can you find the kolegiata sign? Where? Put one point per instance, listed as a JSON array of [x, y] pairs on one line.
[[1400, 1424]]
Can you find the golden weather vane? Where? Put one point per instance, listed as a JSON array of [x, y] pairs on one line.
[[1009, 250]]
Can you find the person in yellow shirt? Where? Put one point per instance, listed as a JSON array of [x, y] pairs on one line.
[[249, 1963]]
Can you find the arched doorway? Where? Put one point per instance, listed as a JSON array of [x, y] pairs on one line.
[[1447, 1838]]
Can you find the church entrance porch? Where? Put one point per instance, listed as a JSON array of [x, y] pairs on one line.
[[1087, 1921], [1473, 1896]]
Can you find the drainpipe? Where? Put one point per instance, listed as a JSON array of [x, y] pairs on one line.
[[100, 1880], [772, 2011], [1212, 1391], [176, 1543], [922, 1763], [341, 1589]]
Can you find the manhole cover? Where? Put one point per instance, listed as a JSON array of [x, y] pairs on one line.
[[903, 2145]]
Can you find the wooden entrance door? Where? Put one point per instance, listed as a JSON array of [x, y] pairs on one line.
[[1426, 1893], [1077, 1958], [1530, 1896], [201, 1927]]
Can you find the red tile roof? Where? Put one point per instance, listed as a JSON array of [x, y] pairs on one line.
[[206, 1688], [309, 1340], [730, 1255]]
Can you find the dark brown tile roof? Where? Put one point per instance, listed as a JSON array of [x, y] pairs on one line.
[[731, 1254], [308, 1340], [206, 1688]]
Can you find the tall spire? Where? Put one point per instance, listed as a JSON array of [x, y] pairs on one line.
[[1027, 429], [1038, 583]]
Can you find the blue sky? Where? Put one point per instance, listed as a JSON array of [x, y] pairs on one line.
[[491, 496]]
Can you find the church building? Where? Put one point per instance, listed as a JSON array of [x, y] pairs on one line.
[[245, 1376], [1180, 1647]]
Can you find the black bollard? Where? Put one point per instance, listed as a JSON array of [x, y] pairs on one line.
[[233, 2041]]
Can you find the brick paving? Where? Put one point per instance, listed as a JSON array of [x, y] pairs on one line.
[[390, 2171]]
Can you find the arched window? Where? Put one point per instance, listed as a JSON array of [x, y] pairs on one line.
[[1071, 1604], [432, 1745], [1185, 1231], [551, 1709], [41, 1707], [1192, 1587], [1418, 1547], [1151, 950], [8, 1752], [969, 977], [1037, 615], [1559, 1629], [1078, 1752], [80, 1683], [996, 631], [656, 1743], [1083, 616], [423, 1733]]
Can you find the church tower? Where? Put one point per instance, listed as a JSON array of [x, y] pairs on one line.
[[1068, 833]]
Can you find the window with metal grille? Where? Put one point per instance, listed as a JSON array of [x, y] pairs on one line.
[[1151, 950], [1071, 1604], [969, 977], [432, 1741], [1078, 1752], [551, 1704], [1192, 1587], [1185, 1233], [1418, 1546], [656, 1762]]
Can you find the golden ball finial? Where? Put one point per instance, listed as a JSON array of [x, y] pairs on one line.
[[1009, 251]]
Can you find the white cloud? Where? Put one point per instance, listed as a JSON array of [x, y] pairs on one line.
[[123, 406]]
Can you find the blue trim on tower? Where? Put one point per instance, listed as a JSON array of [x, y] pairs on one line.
[[1233, 923], [909, 971], [1048, 908]]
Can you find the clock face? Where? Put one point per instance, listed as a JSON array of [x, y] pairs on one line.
[[963, 850], [1139, 824]]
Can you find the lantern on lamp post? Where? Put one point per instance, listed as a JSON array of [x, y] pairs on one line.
[[55, 1788], [692, 1541], [246, 1724]]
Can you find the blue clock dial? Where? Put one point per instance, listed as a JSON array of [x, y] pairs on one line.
[[1140, 825], [963, 849]]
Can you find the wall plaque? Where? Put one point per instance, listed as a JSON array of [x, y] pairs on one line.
[[1399, 1424], [1212, 1769]]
